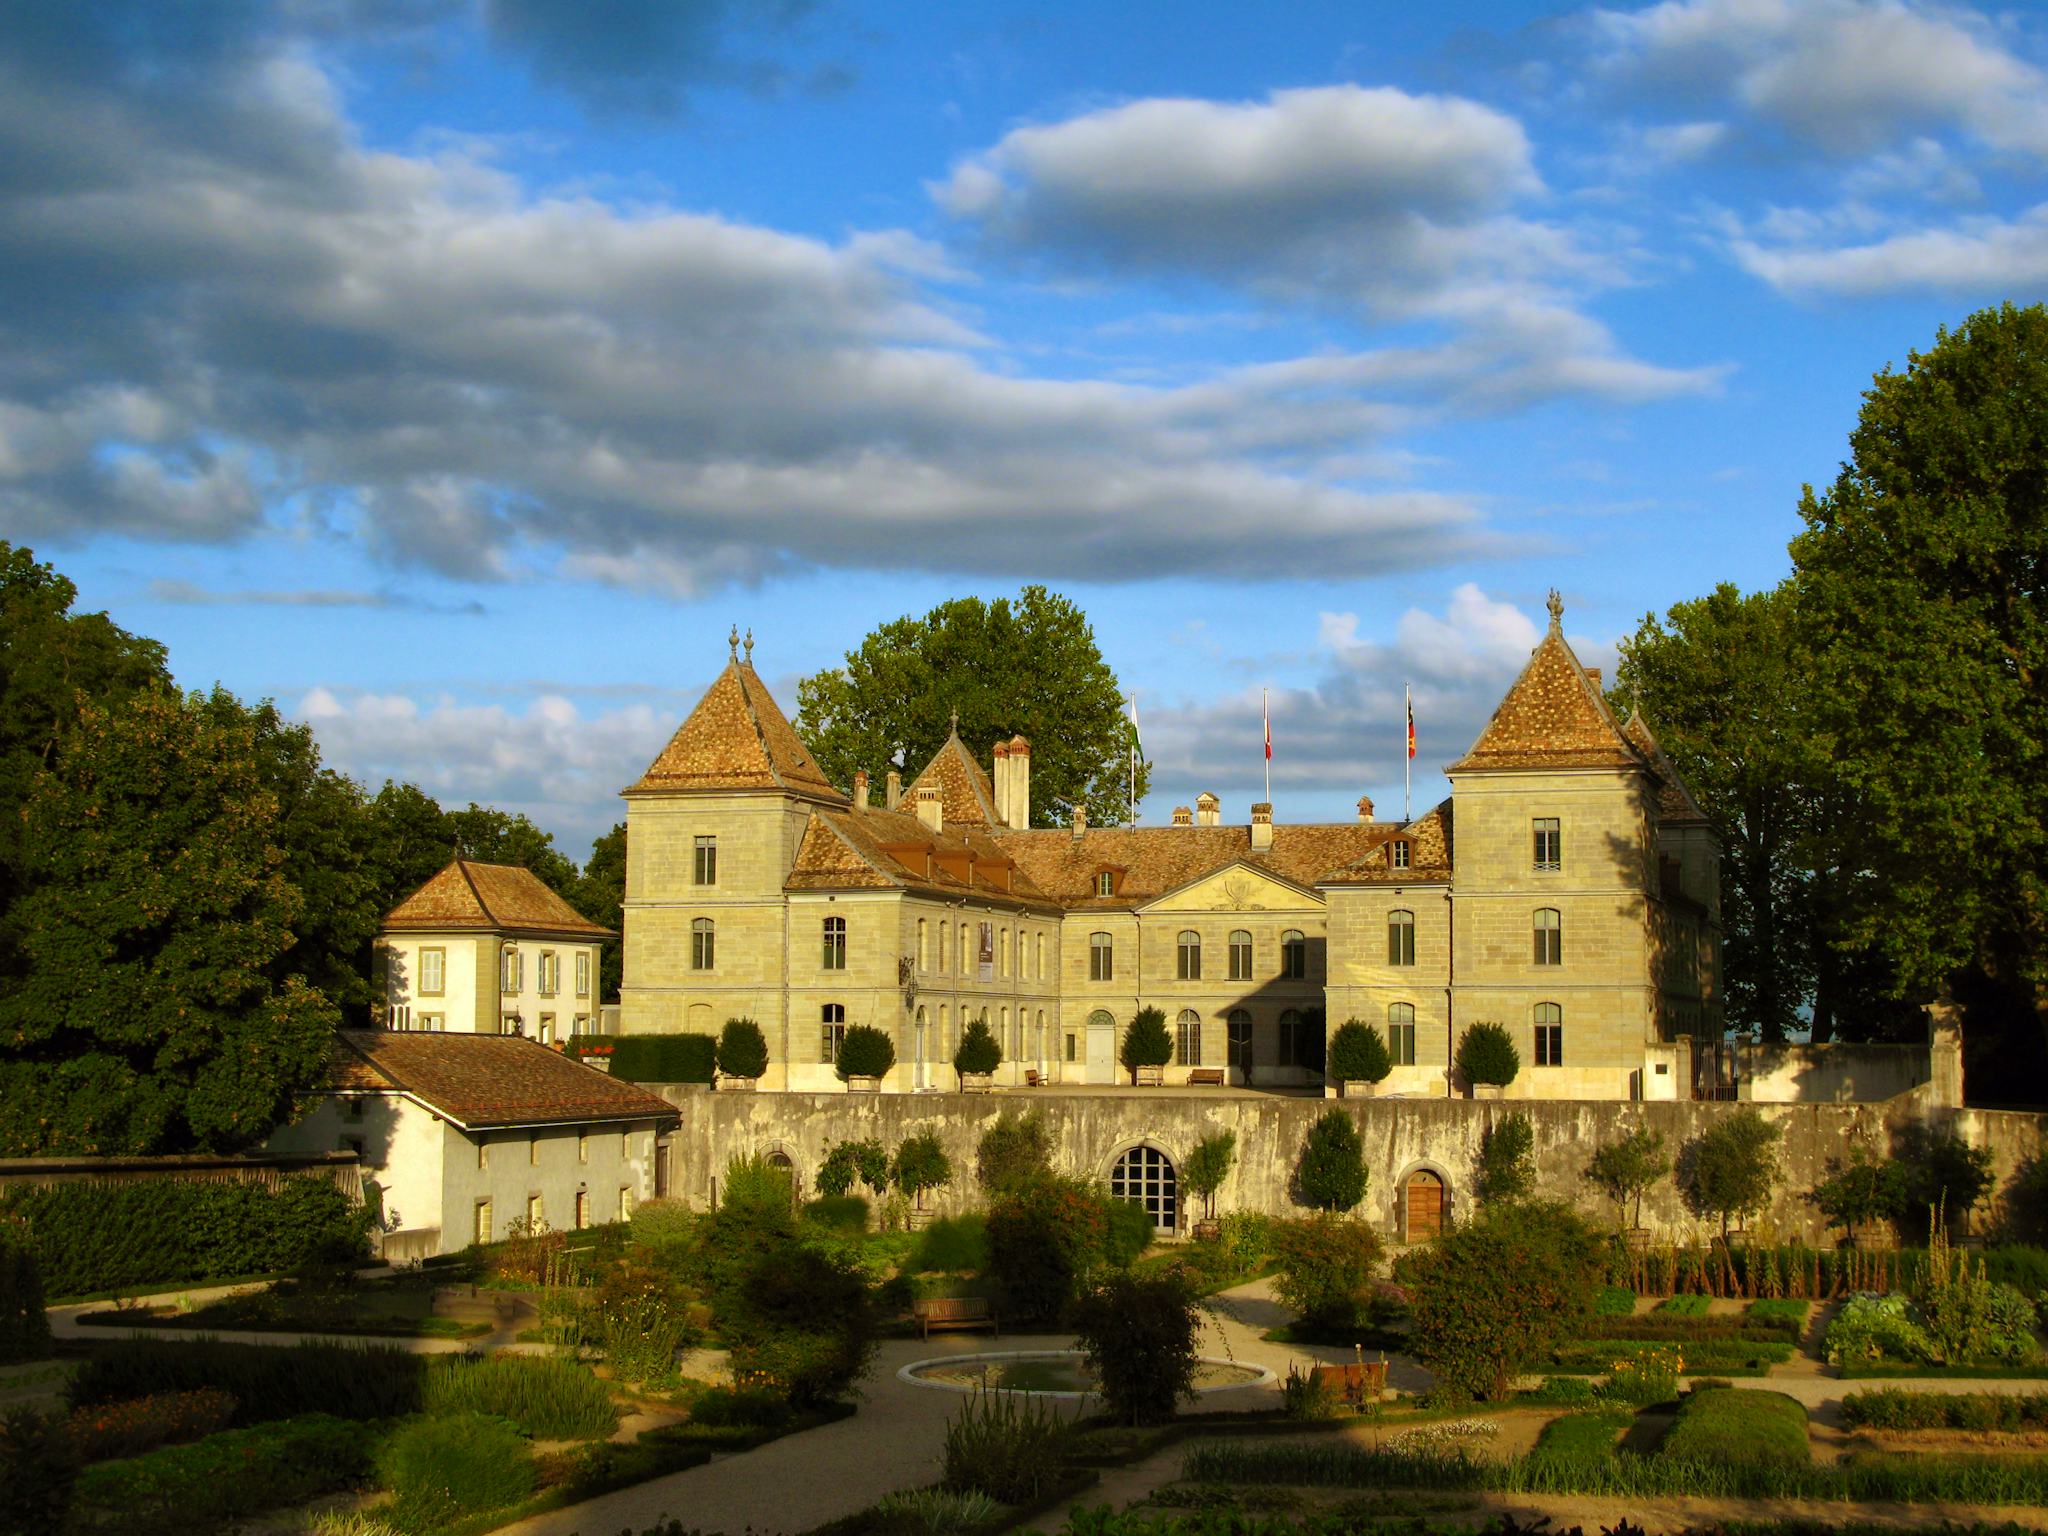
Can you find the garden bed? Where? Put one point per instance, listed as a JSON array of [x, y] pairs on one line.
[[404, 1306]]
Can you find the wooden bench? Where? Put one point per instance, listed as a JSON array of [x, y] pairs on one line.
[[1206, 1077], [1031, 1077], [954, 1312]]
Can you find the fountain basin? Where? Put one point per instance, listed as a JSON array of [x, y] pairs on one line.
[[1061, 1374]]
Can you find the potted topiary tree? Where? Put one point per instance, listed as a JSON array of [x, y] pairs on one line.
[[1147, 1048], [1207, 1167], [979, 1055], [1331, 1175], [921, 1164], [865, 1057], [742, 1056], [1487, 1059], [1359, 1060]]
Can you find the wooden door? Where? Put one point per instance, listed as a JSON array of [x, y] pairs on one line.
[[1425, 1202]]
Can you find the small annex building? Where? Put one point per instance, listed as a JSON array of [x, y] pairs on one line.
[[467, 1137]]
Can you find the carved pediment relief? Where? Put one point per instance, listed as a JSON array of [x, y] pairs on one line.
[[1236, 890]]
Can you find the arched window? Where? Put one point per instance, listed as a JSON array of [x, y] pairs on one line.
[[924, 1035], [1038, 1038], [1401, 1033], [1238, 1041], [945, 945], [835, 943], [923, 953], [1400, 938], [1003, 1035], [1293, 954], [966, 952], [1187, 1039], [831, 1032], [1292, 1028], [1144, 1176], [1240, 955], [1101, 957], [703, 944], [1549, 936], [1038, 956], [1189, 967], [1003, 960], [942, 1048], [1549, 1035]]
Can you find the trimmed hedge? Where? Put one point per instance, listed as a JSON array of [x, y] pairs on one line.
[[1894, 1408], [1732, 1428], [351, 1381], [227, 1476], [664, 1058], [24, 1330], [93, 1237]]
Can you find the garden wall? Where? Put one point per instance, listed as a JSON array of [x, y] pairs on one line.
[[1829, 1074], [1091, 1129]]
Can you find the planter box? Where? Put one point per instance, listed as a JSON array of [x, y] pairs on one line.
[[1873, 1236], [863, 1085], [1485, 1090], [737, 1084], [1207, 1230], [977, 1082], [1641, 1239], [1151, 1077], [1357, 1088]]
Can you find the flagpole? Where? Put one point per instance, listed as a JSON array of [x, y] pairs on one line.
[[1407, 753], [1266, 714], [1134, 759]]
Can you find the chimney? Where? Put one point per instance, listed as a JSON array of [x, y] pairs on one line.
[[1080, 822], [1365, 807], [1000, 764], [860, 789], [1262, 826], [1207, 809], [1594, 674], [1183, 817], [894, 789], [1019, 814], [931, 809]]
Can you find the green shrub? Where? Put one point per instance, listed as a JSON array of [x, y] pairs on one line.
[[1007, 1445], [754, 1185], [1127, 1232], [730, 1407], [663, 1225], [979, 1051], [111, 1430], [1487, 1055], [1139, 1334], [2017, 1265], [1732, 1167], [1331, 1175], [920, 1166], [1044, 1238], [1940, 1172], [1308, 1395], [225, 1477], [1625, 1170], [1326, 1267], [1875, 1328], [94, 1237], [664, 1058], [446, 1468], [1892, 1408], [642, 1318], [544, 1396], [801, 1323], [844, 1214], [1645, 1376], [1780, 1311], [1614, 1301], [742, 1049], [1564, 1391], [1507, 1160], [865, 1051], [24, 1329], [1014, 1151], [1146, 1042], [1863, 1189], [866, 1161], [1740, 1429], [38, 1468], [1207, 1167], [351, 1381], [1488, 1299], [1358, 1054], [1684, 1306], [953, 1243]]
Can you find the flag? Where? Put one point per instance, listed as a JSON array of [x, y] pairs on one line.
[[1266, 708], [1131, 732], [1411, 722]]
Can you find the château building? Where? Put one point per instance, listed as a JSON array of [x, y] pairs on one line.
[[1567, 889]]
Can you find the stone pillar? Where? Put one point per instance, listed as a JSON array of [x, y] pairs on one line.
[[1945, 1052]]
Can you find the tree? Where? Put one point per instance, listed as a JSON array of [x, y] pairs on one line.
[[1026, 667], [1208, 1166], [1358, 1054], [1139, 1334], [1624, 1170], [1734, 1167], [1939, 1172], [1920, 575], [866, 1160], [1487, 1055], [1326, 1265], [1013, 1152], [1862, 1190], [921, 1164], [1332, 1174], [148, 1017], [1146, 1042], [980, 1052], [601, 896], [492, 836], [742, 1049], [1507, 1161]]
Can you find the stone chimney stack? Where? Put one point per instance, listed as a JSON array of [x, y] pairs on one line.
[[999, 776], [931, 809], [1019, 812], [1080, 822], [860, 789], [893, 790], [1183, 817], [1208, 809], [1262, 825], [1365, 807]]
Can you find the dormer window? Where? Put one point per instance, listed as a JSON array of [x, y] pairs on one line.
[[1105, 883], [1397, 853]]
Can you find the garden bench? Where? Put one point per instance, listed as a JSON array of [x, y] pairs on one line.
[[1031, 1077], [1357, 1384], [954, 1312], [1206, 1077]]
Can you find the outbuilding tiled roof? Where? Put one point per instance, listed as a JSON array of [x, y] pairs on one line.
[[1429, 855], [479, 1081], [737, 738], [881, 850], [1675, 802], [489, 898], [1150, 861], [965, 793], [1553, 717]]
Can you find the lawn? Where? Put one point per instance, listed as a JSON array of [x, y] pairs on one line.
[[401, 1307]]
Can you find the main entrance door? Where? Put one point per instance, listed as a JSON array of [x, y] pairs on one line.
[[1424, 1198], [1101, 1046]]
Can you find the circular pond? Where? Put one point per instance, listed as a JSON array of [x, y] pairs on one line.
[[1060, 1373]]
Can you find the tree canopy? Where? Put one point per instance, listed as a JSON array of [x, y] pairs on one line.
[[1028, 666]]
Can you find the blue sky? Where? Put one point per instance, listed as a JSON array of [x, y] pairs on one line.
[[458, 371]]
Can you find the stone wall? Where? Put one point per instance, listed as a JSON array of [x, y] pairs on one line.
[[1829, 1074], [1092, 1129]]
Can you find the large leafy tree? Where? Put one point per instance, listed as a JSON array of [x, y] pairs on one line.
[[600, 895], [493, 836], [1923, 572], [1028, 666]]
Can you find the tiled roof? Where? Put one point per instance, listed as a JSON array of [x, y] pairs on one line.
[[851, 850], [487, 1080], [1429, 855], [1675, 802], [1150, 861], [493, 898], [737, 738], [965, 794], [1553, 717]]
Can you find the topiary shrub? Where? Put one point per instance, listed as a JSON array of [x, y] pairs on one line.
[[664, 1058], [448, 1467], [24, 1328], [980, 1052], [921, 1165], [1014, 1151], [1358, 1054], [1146, 1042], [1733, 1167], [865, 1051], [1625, 1170], [1486, 1055], [1332, 1174], [742, 1049], [1507, 1160], [1326, 1265], [1139, 1335], [867, 1161]]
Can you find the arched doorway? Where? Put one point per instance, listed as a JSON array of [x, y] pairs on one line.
[[1422, 1206], [1145, 1176]]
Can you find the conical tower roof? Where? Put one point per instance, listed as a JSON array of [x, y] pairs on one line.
[[737, 738], [1553, 716]]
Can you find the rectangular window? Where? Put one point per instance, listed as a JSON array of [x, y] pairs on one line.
[[536, 1214], [582, 1147], [1240, 955], [1038, 956], [1293, 955], [401, 1017], [831, 1031], [483, 1154], [433, 1022], [1549, 843], [923, 950], [512, 977], [1398, 853], [583, 973], [508, 1024], [352, 1109], [532, 1150], [582, 1024], [550, 973], [1101, 958], [1188, 956], [547, 1029], [706, 872], [1003, 958], [1549, 1045], [703, 944], [835, 943], [1400, 938], [625, 1201], [433, 972], [1071, 1049], [1401, 1044], [582, 1209], [482, 1230]]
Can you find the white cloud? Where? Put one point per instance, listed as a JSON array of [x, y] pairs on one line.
[[1977, 256]]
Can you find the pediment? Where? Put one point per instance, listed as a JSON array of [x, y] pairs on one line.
[[1240, 887]]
